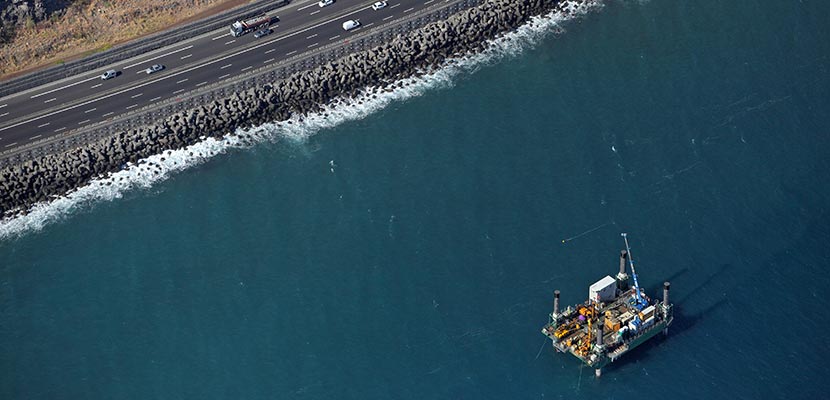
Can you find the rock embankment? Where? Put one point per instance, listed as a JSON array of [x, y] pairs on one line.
[[304, 92]]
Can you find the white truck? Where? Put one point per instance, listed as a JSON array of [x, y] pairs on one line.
[[240, 28]]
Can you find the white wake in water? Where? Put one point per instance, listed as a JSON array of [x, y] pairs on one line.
[[159, 167]]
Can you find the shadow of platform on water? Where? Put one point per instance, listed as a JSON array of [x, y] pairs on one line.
[[658, 289], [703, 284], [682, 323]]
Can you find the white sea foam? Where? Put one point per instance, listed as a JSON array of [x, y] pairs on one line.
[[159, 167]]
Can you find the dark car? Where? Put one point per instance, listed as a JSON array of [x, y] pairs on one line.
[[263, 32]]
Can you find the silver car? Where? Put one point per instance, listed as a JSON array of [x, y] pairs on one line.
[[154, 68], [264, 32], [109, 74]]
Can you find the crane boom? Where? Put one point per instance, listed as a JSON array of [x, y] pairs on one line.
[[640, 301]]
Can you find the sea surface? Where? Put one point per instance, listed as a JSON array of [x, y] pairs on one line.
[[408, 247]]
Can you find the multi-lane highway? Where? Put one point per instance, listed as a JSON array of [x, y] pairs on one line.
[[73, 102]]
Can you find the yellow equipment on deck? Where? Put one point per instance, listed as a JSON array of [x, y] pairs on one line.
[[585, 344], [564, 330]]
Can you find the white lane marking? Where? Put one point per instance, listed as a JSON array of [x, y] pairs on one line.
[[334, 37], [182, 81], [187, 56], [270, 51], [42, 125], [108, 114], [304, 7], [50, 100], [224, 76], [134, 96], [246, 68], [64, 87], [230, 41], [290, 52], [219, 37], [389, 17], [4, 114], [155, 98], [171, 75], [312, 45], [225, 66], [427, 2], [369, 24], [315, 12], [409, 9], [83, 122], [159, 56], [201, 83], [312, 36], [268, 60], [395, 5], [90, 110], [35, 137], [129, 107], [1, 106], [178, 91], [59, 129], [10, 145], [95, 86]]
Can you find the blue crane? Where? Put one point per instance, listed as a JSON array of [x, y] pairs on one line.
[[640, 301]]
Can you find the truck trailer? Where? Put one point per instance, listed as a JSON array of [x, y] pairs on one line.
[[240, 28]]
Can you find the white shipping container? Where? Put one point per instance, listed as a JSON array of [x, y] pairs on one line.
[[648, 312], [603, 290], [626, 317]]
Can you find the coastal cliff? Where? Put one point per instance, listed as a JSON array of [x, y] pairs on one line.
[[304, 92]]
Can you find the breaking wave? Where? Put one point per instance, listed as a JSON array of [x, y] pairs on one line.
[[160, 167]]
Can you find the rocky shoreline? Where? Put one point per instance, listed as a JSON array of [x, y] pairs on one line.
[[51, 176]]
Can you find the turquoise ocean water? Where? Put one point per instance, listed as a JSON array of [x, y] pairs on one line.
[[412, 253]]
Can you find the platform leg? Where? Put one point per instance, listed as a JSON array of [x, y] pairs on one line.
[[598, 372]]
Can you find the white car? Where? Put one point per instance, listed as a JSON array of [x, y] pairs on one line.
[[109, 74], [378, 5], [154, 68], [323, 3], [351, 24]]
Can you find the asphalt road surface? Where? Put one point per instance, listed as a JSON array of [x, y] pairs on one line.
[[72, 102]]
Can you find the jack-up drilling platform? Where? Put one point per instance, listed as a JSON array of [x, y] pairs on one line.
[[614, 320]]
